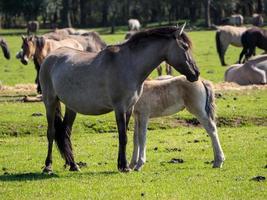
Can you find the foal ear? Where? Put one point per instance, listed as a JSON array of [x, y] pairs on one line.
[[23, 37]]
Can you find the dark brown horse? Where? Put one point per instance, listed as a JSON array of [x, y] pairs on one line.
[[252, 38], [5, 48]]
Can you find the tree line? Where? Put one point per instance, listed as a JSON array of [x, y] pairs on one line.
[[96, 13]]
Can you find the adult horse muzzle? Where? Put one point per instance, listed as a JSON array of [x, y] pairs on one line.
[[24, 60], [192, 73]]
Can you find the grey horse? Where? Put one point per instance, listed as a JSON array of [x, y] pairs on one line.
[[95, 84]]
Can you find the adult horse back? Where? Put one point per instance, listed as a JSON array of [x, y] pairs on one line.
[[225, 36], [94, 84]]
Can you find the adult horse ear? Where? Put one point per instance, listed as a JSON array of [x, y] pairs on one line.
[[179, 30], [182, 28], [23, 37]]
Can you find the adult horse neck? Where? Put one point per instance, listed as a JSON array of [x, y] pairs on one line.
[[94, 84]]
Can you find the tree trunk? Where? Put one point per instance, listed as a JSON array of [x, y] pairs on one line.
[[83, 12], [207, 13], [66, 19]]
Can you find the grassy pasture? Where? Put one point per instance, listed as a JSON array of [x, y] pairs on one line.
[[242, 125]]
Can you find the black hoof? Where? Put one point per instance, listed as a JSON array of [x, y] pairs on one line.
[[74, 168]]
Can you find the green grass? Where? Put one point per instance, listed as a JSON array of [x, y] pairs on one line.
[[242, 129]]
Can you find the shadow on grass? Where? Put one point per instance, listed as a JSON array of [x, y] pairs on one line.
[[26, 177]]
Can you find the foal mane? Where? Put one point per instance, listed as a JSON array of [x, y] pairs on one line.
[[163, 32]]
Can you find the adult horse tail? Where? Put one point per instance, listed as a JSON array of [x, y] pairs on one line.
[[62, 136], [219, 45], [210, 99], [5, 48]]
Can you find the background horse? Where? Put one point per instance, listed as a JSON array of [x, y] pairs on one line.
[[257, 19], [254, 71], [236, 20], [39, 47], [226, 35], [252, 38], [168, 96], [5, 48], [134, 25], [32, 27], [94, 84]]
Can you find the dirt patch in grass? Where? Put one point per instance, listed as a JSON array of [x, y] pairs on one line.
[[234, 86]]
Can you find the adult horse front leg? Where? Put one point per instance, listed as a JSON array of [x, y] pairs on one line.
[[37, 67], [122, 129], [50, 115], [243, 52]]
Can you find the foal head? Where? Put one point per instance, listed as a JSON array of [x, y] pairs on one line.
[[27, 49], [179, 54]]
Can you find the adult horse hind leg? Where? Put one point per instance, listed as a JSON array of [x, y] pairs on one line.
[[68, 121]]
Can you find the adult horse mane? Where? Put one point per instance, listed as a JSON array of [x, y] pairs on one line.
[[5, 48], [164, 32]]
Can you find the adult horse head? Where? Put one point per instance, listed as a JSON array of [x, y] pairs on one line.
[[171, 44], [179, 55], [5, 48], [28, 48]]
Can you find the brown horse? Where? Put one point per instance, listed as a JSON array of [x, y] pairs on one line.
[[38, 48], [98, 83], [252, 38], [5, 48]]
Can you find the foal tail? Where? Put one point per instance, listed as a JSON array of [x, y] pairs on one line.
[[210, 100], [5, 48], [62, 137], [218, 43]]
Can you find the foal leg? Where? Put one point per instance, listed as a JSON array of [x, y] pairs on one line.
[[50, 115], [168, 69], [211, 128], [135, 155], [143, 122], [122, 129], [68, 121]]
